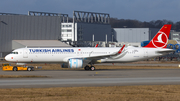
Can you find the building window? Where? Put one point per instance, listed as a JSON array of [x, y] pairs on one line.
[[66, 30], [64, 35], [67, 26], [175, 38], [69, 30], [175, 34], [63, 30]]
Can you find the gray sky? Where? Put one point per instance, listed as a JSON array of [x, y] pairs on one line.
[[142, 10]]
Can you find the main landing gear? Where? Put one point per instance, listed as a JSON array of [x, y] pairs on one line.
[[92, 68]]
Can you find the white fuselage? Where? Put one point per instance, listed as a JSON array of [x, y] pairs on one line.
[[60, 55]]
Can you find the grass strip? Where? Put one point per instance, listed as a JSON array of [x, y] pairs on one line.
[[112, 93]]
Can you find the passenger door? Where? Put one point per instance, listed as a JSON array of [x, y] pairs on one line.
[[25, 53]]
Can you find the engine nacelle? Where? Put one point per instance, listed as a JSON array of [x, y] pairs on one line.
[[73, 63]]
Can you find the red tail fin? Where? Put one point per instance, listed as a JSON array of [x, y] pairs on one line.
[[160, 40]]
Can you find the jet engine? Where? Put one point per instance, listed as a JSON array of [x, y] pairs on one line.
[[73, 63]]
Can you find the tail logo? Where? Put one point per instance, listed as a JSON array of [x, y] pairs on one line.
[[160, 40]]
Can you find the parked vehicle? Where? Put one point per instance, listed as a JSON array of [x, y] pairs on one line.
[[8, 67]]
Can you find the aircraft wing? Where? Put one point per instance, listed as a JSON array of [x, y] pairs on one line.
[[105, 56]]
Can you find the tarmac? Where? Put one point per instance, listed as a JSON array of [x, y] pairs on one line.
[[79, 78]]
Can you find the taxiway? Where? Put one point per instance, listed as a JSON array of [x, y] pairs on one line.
[[74, 78]]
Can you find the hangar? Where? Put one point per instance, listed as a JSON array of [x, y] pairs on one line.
[[84, 26], [134, 35]]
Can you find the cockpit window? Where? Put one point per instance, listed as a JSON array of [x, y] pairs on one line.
[[14, 52]]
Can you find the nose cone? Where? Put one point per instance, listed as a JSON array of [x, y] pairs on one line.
[[8, 58]]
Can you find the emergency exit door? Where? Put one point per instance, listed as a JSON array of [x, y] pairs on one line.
[[145, 53]]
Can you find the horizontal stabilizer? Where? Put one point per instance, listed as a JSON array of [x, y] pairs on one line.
[[165, 51]]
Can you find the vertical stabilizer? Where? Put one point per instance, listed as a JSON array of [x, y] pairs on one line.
[[160, 40]]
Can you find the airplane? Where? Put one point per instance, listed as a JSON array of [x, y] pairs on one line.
[[82, 57]]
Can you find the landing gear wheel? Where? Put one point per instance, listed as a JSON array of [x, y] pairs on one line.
[[86, 68], [29, 69], [92, 68], [32, 68], [14, 68]]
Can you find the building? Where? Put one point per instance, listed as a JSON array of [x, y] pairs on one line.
[[85, 32], [51, 26], [175, 35], [27, 27], [89, 26], [67, 32], [134, 35]]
